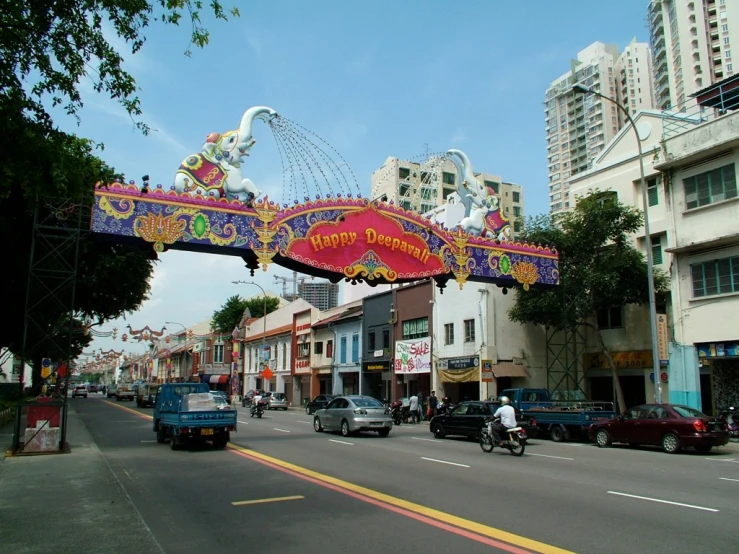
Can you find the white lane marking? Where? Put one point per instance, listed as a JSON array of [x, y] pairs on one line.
[[341, 442], [727, 479], [723, 460], [281, 430], [427, 440], [555, 457], [575, 444], [302, 421], [244, 422], [664, 501], [443, 462], [149, 441]]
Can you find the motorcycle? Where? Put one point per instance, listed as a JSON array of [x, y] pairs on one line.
[[258, 409], [731, 416], [444, 407], [400, 413], [515, 441]]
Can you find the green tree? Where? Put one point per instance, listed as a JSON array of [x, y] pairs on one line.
[[47, 49], [229, 316], [600, 268]]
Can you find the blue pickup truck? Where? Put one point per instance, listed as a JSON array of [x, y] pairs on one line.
[[563, 415], [187, 413]]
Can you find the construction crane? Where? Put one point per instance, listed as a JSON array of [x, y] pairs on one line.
[[296, 282]]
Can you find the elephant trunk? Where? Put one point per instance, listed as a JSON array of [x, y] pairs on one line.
[[462, 156], [257, 112]]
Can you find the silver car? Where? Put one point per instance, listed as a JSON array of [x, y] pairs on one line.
[[276, 401], [351, 414]]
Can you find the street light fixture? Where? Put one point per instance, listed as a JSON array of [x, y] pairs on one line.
[[579, 88], [264, 319]]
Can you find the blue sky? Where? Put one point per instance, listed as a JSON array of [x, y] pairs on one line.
[[373, 79]]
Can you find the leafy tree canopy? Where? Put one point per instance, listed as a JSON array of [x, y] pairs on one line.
[[599, 267], [229, 316]]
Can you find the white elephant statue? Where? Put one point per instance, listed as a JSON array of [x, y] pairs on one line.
[[470, 191], [216, 170]]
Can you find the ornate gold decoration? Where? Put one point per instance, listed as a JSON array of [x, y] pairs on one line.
[[126, 205], [266, 213], [158, 229], [525, 273], [370, 267], [461, 256]]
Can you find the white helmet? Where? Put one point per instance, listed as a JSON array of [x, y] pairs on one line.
[[504, 400]]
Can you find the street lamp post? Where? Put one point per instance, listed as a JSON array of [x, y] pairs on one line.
[[264, 331], [579, 88]]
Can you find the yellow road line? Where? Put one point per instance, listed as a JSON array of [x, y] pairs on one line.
[[479, 528], [265, 500], [462, 523]]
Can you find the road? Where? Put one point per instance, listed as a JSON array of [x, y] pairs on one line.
[[411, 492]]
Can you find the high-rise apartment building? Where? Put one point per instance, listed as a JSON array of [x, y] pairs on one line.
[[695, 43], [322, 295], [579, 126], [421, 187]]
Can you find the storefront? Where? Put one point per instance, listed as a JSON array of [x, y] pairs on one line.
[[377, 379], [460, 378], [635, 374], [216, 376], [347, 382], [719, 375]]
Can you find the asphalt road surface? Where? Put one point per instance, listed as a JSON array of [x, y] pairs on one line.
[[281, 487]]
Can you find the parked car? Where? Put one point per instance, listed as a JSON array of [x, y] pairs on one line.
[[146, 395], [319, 402], [670, 426], [276, 401], [467, 418], [352, 414], [79, 390], [247, 398]]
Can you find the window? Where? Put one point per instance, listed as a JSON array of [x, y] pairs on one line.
[[329, 349], [355, 348], [403, 172], [385, 339], [469, 330], [342, 349], [727, 54], [517, 211], [725, 28], [416, 328], [318, 348], [284, 353], [715, 277], [517, 226], [656, 250], [303, 349], [218, 354], [449, 333], [726, 40], [607, 196], [492, 185], [610, 318], [653, 191], [447, 178], [516, 196], [710, 187]]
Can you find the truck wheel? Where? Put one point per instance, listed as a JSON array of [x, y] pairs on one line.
[[161, 436], [174, 443], [220, 443], [557, 434]]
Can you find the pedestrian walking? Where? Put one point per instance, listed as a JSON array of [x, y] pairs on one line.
[[413, 407], [421, 411], [433, 402]]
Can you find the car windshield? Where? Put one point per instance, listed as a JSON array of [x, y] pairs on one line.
[[367, 403], [686, 411]]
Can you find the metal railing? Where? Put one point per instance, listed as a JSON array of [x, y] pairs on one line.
[[689, 115]]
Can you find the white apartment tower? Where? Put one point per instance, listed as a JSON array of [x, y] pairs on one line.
[[421, 187], [579, 126], [692, 43]]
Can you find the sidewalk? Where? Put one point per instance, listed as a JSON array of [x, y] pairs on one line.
[[67, 502]]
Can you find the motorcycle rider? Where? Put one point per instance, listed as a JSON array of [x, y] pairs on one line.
[[255, 400], [507, 415]]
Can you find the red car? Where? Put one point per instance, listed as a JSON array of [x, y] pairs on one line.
[[667, 425]]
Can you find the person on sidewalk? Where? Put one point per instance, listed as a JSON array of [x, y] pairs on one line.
[[421, 411], [433, 402], [413, 407]]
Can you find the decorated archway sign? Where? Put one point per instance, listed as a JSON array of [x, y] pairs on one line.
[[213, 208]]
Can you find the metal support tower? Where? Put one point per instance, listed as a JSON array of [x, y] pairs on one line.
[[565, 350]]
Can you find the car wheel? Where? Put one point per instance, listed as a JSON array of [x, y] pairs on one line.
[[384, 432], [557, 434], [670, 443], [603, 438], [317, 427], [285, 408], [703, 449], [345, 432], [439, 432]]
